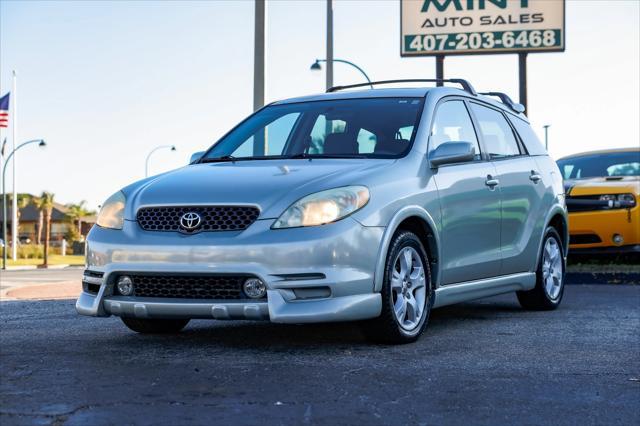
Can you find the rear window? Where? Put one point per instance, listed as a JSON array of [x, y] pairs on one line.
[[601, 165], [528, 136]]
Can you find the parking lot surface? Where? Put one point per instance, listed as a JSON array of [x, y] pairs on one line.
[[485, 362]]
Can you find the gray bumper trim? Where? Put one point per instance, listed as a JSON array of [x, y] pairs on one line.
[[277, 309], [158, 308]]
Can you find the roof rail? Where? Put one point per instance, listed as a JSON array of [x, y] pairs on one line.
[[464, 83], [505, 99]]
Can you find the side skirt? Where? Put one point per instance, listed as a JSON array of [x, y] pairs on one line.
[[470, 290]]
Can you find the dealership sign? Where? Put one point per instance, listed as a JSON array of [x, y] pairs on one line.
[[453, 27]]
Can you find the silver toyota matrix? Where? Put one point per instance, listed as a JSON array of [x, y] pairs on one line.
[[355, 205]]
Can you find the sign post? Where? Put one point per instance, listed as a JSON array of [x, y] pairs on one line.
[[474, 27]]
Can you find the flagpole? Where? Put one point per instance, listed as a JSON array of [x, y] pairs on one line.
[[14, 204]]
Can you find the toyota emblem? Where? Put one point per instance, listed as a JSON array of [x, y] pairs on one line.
[[190, 221]]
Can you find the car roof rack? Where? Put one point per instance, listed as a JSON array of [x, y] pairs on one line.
[[505, 99], [466, 86]]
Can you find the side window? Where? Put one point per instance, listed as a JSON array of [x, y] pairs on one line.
[[497, 135], [322, 128], [452, 123], [270, 140]]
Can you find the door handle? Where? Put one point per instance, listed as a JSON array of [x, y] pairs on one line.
[[491, 182], [534, 177]]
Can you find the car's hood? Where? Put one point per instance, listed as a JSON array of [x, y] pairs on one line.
[[603, 185], [272, 185]]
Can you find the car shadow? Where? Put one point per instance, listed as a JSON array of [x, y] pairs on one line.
[[252, 335], [299, 337]]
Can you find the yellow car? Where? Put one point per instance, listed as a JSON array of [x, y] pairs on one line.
[[603, 192]]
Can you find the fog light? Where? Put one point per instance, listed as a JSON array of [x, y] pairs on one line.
[[254, 288], [125, 286], [617, 239]]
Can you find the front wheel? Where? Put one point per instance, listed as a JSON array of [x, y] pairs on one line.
[[547, 293], [155, 326], [407, 295]]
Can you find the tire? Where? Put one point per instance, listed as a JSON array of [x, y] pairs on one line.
[[402, 286], [548, 292], [155, 326]]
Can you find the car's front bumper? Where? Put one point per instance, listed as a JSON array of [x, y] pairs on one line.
[[340, 257], [597, 229]]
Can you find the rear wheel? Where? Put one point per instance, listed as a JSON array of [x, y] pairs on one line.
[[547, 293], [155, 326], [406, 293]]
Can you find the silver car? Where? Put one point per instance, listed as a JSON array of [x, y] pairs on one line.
[[355, 205]]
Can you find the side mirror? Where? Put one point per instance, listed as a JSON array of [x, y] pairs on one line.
[[452, 152], [195, 156]]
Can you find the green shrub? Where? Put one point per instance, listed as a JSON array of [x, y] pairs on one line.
[[30, 251]]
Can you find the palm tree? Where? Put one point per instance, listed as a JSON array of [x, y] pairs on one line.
[[36, 201], [76, 212], [45, 205]]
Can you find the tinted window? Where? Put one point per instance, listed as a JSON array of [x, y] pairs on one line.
[[453, 124], [601, 165], [528, 136], [321, 129], [499, 140], [369, 128]]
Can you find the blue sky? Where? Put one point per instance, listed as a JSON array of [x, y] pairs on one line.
[[105, 82]]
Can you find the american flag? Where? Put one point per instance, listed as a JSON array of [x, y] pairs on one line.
[[4, 111]]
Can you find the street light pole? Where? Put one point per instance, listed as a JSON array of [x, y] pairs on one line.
[[329, 59], [259, 47], [41, 143], [316, 66], [546, 136], [146, 163], [14, 137]]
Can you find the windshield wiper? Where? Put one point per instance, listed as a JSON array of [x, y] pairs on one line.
[[337, 156], [299, 155], [304, 155], [219, 159]]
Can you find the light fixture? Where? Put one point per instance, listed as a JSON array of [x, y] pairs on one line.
[[125, 285], [254, 288]]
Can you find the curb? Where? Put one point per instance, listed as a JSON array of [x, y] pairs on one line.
[[604, 278], [33, 267]]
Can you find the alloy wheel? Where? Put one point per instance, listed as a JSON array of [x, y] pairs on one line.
[[552, 268], [408, 288]]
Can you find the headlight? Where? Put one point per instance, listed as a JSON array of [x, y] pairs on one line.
[[323, 207], [112, 212], [619, 200]]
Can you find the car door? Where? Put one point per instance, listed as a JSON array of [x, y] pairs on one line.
[[469, 202], [521, 191]]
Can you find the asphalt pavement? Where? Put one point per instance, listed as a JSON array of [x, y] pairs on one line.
[[485, 362], [40, 283]]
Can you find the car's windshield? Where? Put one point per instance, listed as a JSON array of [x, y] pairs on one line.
[[601, 165], [362, 128]]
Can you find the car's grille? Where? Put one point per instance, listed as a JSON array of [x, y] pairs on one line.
[[584, 239], [212, 218], [222, 287]]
